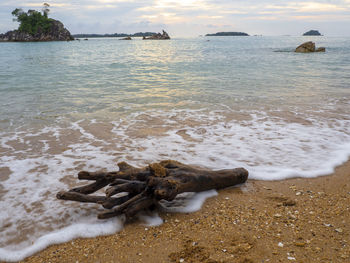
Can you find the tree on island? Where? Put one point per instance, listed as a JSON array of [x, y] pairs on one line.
[[46, 9], [36, 26], [33, 22]]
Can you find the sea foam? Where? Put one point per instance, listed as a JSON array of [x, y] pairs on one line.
[[84, 230]]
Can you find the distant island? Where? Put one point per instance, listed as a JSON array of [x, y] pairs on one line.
[[36, 26], [227, 34], [139, 34], [312, 33], [145, 36]]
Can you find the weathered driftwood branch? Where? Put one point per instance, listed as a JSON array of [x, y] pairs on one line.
[[144, 187]]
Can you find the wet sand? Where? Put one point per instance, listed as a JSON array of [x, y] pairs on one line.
[[296, 220]]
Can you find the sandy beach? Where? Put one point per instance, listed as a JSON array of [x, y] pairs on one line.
[[296, 220]]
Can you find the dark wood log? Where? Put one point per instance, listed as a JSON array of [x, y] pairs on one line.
[[131, 187], [148, 185], [106, 202], [91, 188]]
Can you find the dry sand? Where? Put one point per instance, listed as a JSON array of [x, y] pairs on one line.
[[297, 220]]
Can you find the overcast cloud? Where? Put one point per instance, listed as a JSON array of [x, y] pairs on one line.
[[192, 17]]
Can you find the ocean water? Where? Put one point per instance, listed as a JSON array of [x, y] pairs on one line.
[[216, 102]]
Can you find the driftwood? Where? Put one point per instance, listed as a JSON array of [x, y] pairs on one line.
[[145, 187]]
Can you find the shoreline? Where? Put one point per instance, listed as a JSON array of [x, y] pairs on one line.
[[294, 220]]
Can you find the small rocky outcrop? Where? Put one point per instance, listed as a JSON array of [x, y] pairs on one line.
[[126, 38], [158, 36], [57, 32], [309, 47], [320, 49], [312, 33]]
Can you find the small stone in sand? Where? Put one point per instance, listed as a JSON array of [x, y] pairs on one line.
[[300, 244], [339, 230], [289, 202]]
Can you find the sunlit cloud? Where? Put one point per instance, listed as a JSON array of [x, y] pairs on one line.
[[96, 7], [321, 17], [209, 17], [318, 7], [233, 12], [114, 1], [162, 4], [192, 17], [308, 7]]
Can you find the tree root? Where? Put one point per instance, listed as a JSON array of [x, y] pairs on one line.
[[145, 187]]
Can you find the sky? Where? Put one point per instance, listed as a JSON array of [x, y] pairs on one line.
[[190, 18]]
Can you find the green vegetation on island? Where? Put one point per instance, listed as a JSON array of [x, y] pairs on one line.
[[312, 33], [33, 21], [227, 34], [36, 26]]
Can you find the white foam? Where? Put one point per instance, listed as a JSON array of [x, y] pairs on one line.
[[270, 148], [183, 203], [84, 230], [151, 219], [187, 202]]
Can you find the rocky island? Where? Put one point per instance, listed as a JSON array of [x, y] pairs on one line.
[[158, 36], [36, 26], [312, 33], [227, 34]]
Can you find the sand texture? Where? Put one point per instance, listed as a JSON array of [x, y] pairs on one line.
[[297, 220]]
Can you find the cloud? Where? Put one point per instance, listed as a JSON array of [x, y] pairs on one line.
[[190, 16]]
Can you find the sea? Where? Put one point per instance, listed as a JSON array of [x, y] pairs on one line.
[[213, 102]]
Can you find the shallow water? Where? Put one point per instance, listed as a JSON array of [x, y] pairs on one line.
[[223, 103]]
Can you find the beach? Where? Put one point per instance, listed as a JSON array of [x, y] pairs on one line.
[[294, 220]]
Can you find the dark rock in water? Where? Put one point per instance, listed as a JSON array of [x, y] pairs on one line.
[[86, 39], [312, 33], [306, 47], [126, 38], [321, 49], [57, 32], [227, 34], [159, 36], [309, 47]]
